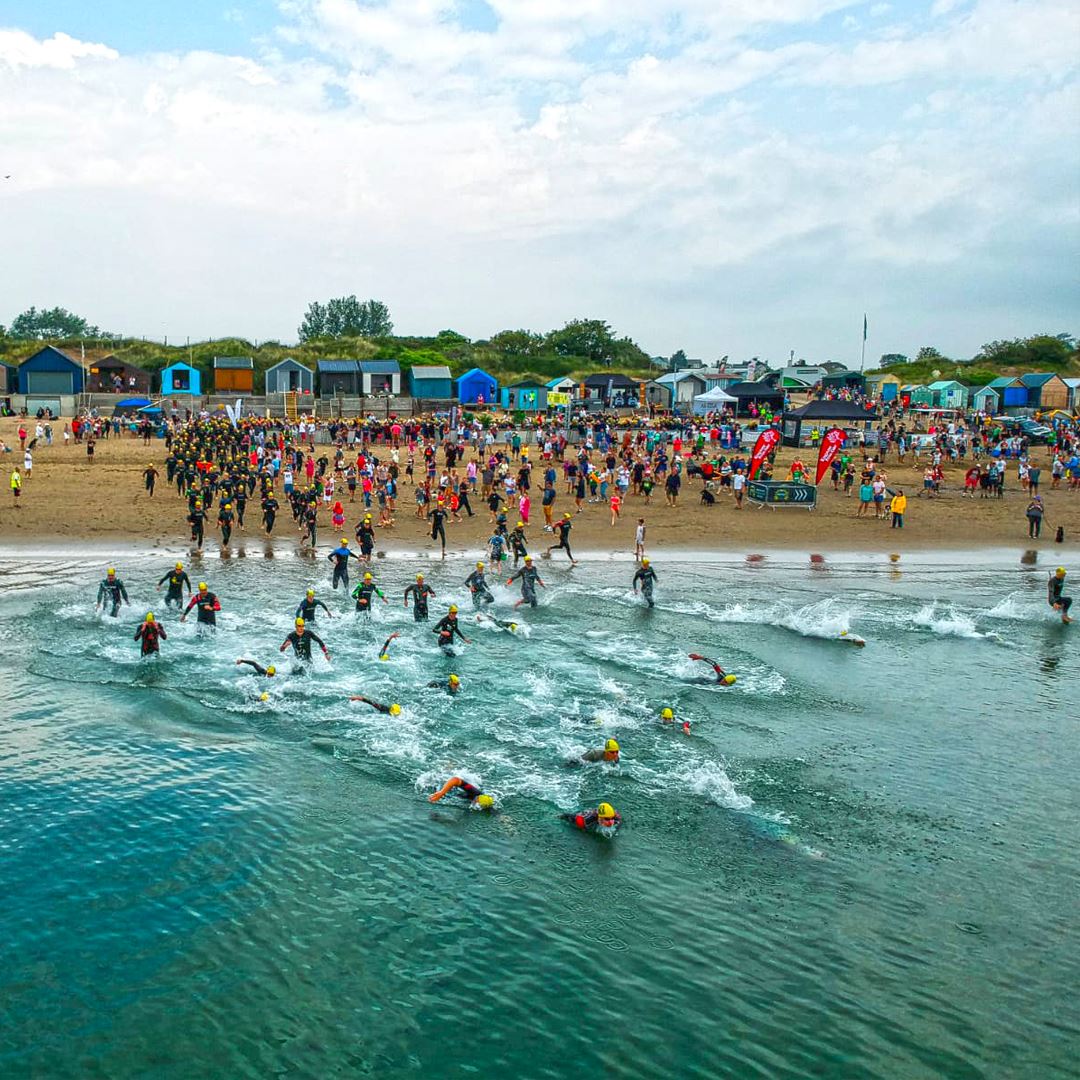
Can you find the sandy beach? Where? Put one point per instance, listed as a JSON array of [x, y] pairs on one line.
[[67, 499]]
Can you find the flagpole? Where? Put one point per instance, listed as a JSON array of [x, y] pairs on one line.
[[862, 359]]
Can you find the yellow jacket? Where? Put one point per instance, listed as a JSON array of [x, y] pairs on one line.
[[898, 504], [16, 481]]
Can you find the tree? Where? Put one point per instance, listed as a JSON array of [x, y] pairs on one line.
[[890, 358], [928, 352], [517, 343], [677, 360], [34, 325], [345, 316], [590, 338]]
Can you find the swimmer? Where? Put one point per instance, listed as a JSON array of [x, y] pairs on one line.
[[530, 578], [563, 529], [722, 678], [481, 594], [851, 639], [502, 624], [150, 632], [306, 608], [208, 606], [340, 557], [447, 627], [667, 716], [363, 593], [177, 579], [262, 672], [420, 593], [384, 652], [451, 686], [647, 576], [476, 798], [605, 817], [609, 753], [300, 639], [378, 706], [1055, 595], [111, 591]]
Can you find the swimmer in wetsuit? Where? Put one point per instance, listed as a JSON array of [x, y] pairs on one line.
[[340, 557], [605, 816], [481, 594], [563, 529], [530, 578], [1055, 595], [384, 652], [306, 608], [363, 593], [208, 606], [447, 627], [300, 639], [609, 753], [722, 678], [476, 798], [149, 633], [111, 592], [647, 576], [177, 579], [420, 593], [502, 624], [451, 686], [378, 706], [667, 716], [268, 672]]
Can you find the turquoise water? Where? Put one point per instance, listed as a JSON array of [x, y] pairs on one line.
[[860, 864]]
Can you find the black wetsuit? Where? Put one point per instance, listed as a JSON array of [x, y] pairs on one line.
[[517, 544], [587, 820], [112, 592], [563, 529], [197, 520], [225, 520], [150, 476], [438, 525], [269, 512], [1054, 595], [363, 593], [420, 591], [240, 502], [177, 579], [365, 534], [529, 576], [301, 643], [479, 588], [149, 633], [208, 606], [306, 610], [446, 628], [259, 669], [340, 558], [647, 576], [467, 791]]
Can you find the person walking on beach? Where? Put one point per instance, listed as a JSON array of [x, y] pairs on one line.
[[1034, 512], [16, 487], [897, 507], [639, 540]]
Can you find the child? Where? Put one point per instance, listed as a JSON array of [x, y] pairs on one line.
[[616, 504], [639, 540], [337, 515]]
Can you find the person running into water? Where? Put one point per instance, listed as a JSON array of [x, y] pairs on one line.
[[721, 676], [476, 798], [420, 593], [225, 523], [667, 716], [647, 576], [481, 594], [263, 672], [451, 686], [530, 578], [150, 632], [208, 606], [605, 817], [270, 508], [563, 529], [437, 516], [384, 652], [446, 628], [308, 607], [150, 475], [1055, 595], [111, 593], [197, 521], [300, 639], [363, 593], [517, 542], [340, 557], [177, 579], [378, 706]]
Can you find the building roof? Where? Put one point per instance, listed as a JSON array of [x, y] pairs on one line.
[[1002, 381], [755, 390], [431, 371], [943, 384], [831, 410], [1033, 380], [178, 364], [613, 378], [531, 383], [673, 378], [338, 367], [288, 362], [380, 367], [989, 388], [476, 371], [234, 363], [552, 383]]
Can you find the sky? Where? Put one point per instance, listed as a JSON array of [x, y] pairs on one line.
[[729, 177]]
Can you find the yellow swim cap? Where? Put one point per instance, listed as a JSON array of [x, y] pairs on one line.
[[485, 802], [513, 626], [311, 592], [1060, 571], [228, 506], [271, 670], [344, 541], [395, 710], [668, 714], [566, 515], [149, 616], [419, 577], [611, 744], [111, 570], [528, 558], [729, 680], [453, 609], [299, 621], [521, 524], [179, 566], [202, 586], [264, 696], [384, 656], [479, 566], [644, 562], [605, 810], [367, 577], [454, 680]]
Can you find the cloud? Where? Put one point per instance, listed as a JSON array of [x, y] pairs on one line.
[[703, 175]]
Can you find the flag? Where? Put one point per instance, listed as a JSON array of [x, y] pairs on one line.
[[830, 447], [864, 326], [765, 445]]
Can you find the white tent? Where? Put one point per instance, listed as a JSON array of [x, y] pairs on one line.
[[712, 400]]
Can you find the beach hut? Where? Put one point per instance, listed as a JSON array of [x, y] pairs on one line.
[[916, 394], [234, 375], [1046, 390], [715, 400], [380, 377], [431, 381], [612, 390], [9, 379], [685, 386], [822, 415], [843, 379], [181, 378], [477, 387], [751, 394], [290, 377], [50, 373], [658, 394], [110, 375], [338, 377], [528, 395], [884, 385], [1074, 393], [562, 385], [948, 394], [987, 400]]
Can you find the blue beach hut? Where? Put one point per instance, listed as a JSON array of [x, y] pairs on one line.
[[50, 372], [477, 387], [181, 378]]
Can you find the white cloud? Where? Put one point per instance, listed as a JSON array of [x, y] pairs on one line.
[[699, 183]]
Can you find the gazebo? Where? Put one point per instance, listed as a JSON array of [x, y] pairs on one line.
[[823, 415], [713, 400]]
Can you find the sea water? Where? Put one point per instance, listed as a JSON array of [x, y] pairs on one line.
[[861, 861]]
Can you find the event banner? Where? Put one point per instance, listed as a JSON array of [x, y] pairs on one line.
[[557, 398], [765, 445], [830, 447]]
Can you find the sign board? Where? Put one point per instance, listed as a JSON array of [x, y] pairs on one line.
[[556, 398], [775, 493]]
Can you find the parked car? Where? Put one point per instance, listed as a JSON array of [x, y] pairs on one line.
[[1035, 432]]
